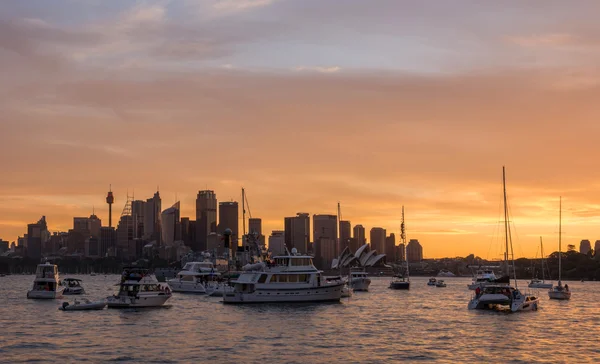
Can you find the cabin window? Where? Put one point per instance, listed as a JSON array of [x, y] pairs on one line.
[[273, 279], [263, 278], [293, 278], [282, 278]]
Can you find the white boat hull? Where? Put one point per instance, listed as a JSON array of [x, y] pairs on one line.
[[361, 284], [73, 291], [186, 287], [497, 301], [141, 301], [48, 295], [218, 290], [540, 285], [314, 294], [83, 306]]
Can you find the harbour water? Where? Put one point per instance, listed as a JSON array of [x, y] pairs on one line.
[[426, 324]]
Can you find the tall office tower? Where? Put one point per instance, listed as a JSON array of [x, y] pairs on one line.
[[171, 227], [297, 232], [110, 199], [138, 208], [255, 226], [377, 239], [152, 223], [345, 234], [206, 218], [277, 242], [414, 251], [390, 248], [108, 240], [325, 239], [359, 235], [585, 246], [229, 219], [37, 234]]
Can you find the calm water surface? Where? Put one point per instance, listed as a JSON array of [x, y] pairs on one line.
[[426, 324]]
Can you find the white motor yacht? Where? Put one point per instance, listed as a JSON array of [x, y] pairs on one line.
[[538, 283], [194, 277], [440, 283], [359, 281], [290, 278], [485, 276], [502, 297], [139, 288], [72, 286], [46, 284], [432, 282]]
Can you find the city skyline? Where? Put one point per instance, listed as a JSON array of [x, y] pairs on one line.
[[307, 104]]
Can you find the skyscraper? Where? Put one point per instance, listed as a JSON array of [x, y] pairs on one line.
[[325, 239], [228, 219], [390, 248], [596, 247], [414, 251], [138, 208], [108, 240], [206, 218], [277, 242], [377, 239], [585, 246], [255, 226], [359, 235], [36, 235], [152, 224], [171, 227], [345, 234], [297, 232]]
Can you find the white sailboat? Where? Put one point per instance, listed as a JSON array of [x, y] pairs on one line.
[[504, 296], [535, 282], [560, 292]]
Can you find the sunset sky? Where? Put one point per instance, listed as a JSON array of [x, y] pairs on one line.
[[375, 104]]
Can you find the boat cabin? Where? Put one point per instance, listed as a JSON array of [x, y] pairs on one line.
[[72, 282], [46, 271]]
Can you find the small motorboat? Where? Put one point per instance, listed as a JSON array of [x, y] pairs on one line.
[[440, 283], [432, 282], [83, 304], [346, 291], [72, 286]]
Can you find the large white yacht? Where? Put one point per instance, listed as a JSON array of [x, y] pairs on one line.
[[290, 278], [46, 284], [195, 278], [359, 281], [139, 288], [485, 276]]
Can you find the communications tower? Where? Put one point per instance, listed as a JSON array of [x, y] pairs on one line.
[[110, 199]]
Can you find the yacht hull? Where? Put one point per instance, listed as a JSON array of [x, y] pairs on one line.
[[73, 291], [330, 293], [186, 287], [502, 303], [45, 295], [540, 285], [142, 301], [361, 284]]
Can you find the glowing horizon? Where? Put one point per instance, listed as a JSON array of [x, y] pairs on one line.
[[305, 103]]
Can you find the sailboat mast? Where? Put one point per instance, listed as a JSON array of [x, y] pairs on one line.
[[559, 239], [243, 217], [403, 237], [505, 220], [542, 251]]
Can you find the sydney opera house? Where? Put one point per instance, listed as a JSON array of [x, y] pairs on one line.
[[362, 258]]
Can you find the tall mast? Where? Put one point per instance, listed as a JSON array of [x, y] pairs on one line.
[[403, 237], [542, 250], [559, 239], [505, 220], [243, 215]]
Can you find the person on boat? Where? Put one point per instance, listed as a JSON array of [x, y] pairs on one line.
[[477, 291], [566, 287]]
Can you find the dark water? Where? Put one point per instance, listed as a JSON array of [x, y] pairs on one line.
[[425, 324]]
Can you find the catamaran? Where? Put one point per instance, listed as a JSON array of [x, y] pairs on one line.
[[560, 292], [535, 282], [504, 297]]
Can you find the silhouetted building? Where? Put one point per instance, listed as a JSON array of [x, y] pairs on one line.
[[206, 218], [390, 248], [400, 253], [353, 245], [125, 236], [188, 231], [585, 246], [255, 226], [36, 235], [76, 241], [414, 251], [3, 246], [57, 241], [152, 223], [359, 235], [138, 208], [345, 234], [108, 241], [87, 226], [596, 247], [277, 242], [92, 247], [377, 239], [228, 219], [171, 228], [297, 232], [325, 239]]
